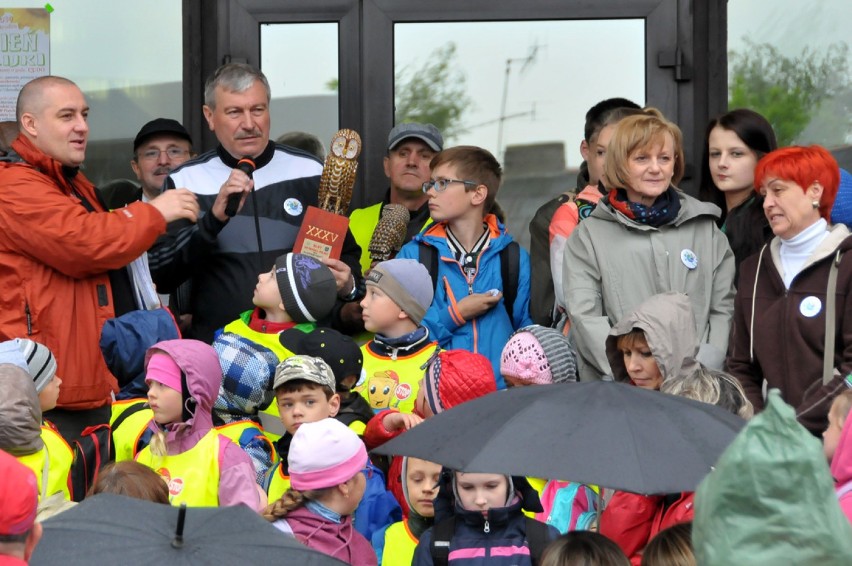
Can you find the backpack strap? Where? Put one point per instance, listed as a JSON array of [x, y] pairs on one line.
[[428, 256], [510, 269], [442, 534], [127, 413], [538, 537], [830, 322]]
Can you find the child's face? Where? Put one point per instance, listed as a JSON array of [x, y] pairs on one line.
[[50, 394], [481, 492], [454, 202], [641, 365], [421, 481], [597, 153], [357, 487], [165, 402], [380, 313], [266, 294], [421, 406], [513, 381], [831, 436], [305, 405]]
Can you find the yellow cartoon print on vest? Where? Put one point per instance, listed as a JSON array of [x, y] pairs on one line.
[[381, 388]]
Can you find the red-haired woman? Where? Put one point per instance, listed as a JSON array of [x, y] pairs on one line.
[[782, 302]]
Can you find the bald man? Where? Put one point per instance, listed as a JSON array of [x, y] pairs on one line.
[[64, 256]]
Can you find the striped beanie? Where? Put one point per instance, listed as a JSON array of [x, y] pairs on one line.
[[308, 289], [539, 355], [40, 362]]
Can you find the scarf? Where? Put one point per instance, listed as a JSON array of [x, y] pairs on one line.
[[664, 210]]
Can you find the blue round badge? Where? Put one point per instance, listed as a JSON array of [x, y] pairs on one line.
[[293, 207], [689, 259]]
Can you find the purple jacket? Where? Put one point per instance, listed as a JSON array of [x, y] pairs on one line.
[[203, 375], [339, 541]]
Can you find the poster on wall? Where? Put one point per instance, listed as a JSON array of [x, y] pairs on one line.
[[24, 52]]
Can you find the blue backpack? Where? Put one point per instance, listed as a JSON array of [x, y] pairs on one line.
[[378, 507], [573, 507]]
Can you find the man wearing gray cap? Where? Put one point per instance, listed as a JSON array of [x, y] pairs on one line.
[[411, 147]]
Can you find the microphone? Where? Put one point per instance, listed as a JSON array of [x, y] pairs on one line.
[[390, 232], [247, 166]]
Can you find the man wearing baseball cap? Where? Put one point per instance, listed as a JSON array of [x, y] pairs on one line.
[[19, 531], [160, 146], [411, 147]]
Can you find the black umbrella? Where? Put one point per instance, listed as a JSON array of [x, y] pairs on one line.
[[608, 434], [113, 529]]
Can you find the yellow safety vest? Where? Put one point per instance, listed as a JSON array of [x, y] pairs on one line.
[[392, 384], [192, 476], [51, 465], [126, 436], [278, 484], [399, 545]]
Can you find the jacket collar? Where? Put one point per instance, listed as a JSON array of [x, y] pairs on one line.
[[834, 241], [259, 161]]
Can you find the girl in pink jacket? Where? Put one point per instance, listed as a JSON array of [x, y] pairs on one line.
[[200, 466]]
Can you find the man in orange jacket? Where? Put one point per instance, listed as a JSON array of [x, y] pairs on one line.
[[64, 255]]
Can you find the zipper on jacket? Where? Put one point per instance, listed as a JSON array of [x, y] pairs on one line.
[[29, 319], [486, 528]]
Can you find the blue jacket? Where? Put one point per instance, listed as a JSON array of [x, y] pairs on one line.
[[488, 333], [471, 545]]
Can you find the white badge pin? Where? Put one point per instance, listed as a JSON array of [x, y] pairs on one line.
[[689, 259], [293, 207], [810, 306]]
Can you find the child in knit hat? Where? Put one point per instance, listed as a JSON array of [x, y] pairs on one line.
[[325, 462], [399, 292], [298, 291], [537, 355], [23, 435], [452, 377], [202, 467]]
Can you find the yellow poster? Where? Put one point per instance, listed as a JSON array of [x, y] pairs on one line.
[[24, 52]]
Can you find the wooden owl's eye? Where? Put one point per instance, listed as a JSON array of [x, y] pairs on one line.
[[351, 149], [338, 146]]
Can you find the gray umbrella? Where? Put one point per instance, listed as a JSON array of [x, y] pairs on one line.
[[114, 529], [603, 433]]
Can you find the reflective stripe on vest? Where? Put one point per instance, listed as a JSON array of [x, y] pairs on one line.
[[392, 384], [126, 437], [399, 545], [278, 484], [192, 476], [51, 464]]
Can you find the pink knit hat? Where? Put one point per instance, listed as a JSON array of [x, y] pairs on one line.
[[324, 454], [163, 369], [539, 356]]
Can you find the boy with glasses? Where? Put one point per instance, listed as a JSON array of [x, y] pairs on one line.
[[468, 241]]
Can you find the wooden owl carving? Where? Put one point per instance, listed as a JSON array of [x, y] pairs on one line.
[[338, 172]]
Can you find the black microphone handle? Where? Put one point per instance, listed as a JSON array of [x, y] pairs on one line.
[[246, 165], [233, 204]]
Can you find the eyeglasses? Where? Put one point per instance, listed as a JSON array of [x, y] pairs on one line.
[[172, 153], [440, 185]]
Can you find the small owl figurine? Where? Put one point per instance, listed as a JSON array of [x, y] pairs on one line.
[[338, 173]]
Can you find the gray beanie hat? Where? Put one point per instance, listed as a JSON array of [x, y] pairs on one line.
[[407, 282], [307, 287], [41, 364]]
